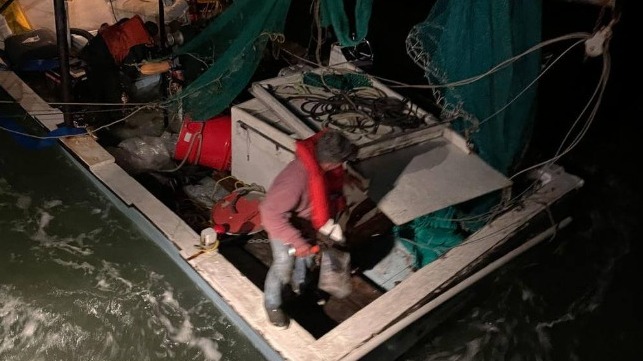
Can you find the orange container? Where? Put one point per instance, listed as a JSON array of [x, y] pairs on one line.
[[207, 142]]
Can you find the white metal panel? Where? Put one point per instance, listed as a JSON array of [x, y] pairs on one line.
[[392, 269], [284, 95], [406, 183], [259, 149], [427, 177]]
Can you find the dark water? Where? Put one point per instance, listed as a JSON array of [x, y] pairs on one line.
[[80, 281], [577, 297]]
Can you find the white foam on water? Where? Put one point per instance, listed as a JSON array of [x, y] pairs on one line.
[[52, 204], [23, 202], [86, 267], [45, 218], [184, 331], [26, 329], [109, 277], [72, 245], [97, 323]]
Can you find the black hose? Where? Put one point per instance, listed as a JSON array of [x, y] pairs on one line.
[[81, 32]]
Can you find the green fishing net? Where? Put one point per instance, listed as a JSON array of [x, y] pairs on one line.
[[461, 39], [235, 41], [344, 82], [232, 46], [333, 14], [458, 40]]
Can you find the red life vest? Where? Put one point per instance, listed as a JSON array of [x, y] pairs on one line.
[[121, 37], [325, 189]]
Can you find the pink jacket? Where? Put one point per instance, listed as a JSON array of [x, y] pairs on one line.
[[287, 201]]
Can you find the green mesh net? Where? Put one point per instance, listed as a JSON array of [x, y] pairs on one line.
[[461, 39], [235, 40], [345, 82], [429, 236], [333, 14]]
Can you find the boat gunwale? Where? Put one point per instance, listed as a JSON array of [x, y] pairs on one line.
[[239, 298]]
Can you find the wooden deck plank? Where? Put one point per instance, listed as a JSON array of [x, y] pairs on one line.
[[176, 230], [246, 299], [393, 305], [337, 309], [120, 182], [88, 150], [30, 101]]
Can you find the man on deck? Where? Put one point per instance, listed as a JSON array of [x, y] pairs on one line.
[[302, 200], [115, 51]]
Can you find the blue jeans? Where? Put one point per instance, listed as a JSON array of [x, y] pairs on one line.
[[283, 268]]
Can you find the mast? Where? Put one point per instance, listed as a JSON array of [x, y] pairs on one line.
[[162, 40], [62, 29]]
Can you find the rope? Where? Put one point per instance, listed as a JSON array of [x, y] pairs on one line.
[[209, 248], [359, 111]]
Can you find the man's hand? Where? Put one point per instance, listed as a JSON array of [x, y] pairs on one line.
[[303, 250], [333, 231]]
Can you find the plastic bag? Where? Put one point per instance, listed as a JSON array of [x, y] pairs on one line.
[[335, 272], [142, 154]]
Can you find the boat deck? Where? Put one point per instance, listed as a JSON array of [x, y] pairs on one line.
[[347, 336]]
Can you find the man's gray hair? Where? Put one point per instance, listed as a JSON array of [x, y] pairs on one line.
[[334, 147]]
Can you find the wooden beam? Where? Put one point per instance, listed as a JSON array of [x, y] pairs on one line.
[[392, 306]]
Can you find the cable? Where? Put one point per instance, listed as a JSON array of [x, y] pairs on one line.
[[488, 215], [531, 83], [598, 94], [500, 66], [579, 35], [111, 4], [188, 153], [358, 110]]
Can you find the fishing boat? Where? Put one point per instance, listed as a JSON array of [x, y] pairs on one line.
[[407, 178]]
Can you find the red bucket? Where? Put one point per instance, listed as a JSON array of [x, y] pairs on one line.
[[208, 142]]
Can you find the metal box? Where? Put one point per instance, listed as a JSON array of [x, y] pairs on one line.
[[261, 145]]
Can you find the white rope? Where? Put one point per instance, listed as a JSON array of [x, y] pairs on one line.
[[500, 66]]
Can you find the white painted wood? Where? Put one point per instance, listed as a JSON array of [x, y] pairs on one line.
[[119, 182], [174, 228], [257, 115], [427, 177], [49, 117], [390, 144], [300, 129], [456, 139], [259, 150], [383, 337], [391, 306], [88, 150], [246, 299]]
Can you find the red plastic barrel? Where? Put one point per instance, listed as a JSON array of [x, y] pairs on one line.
[[208, 142]]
